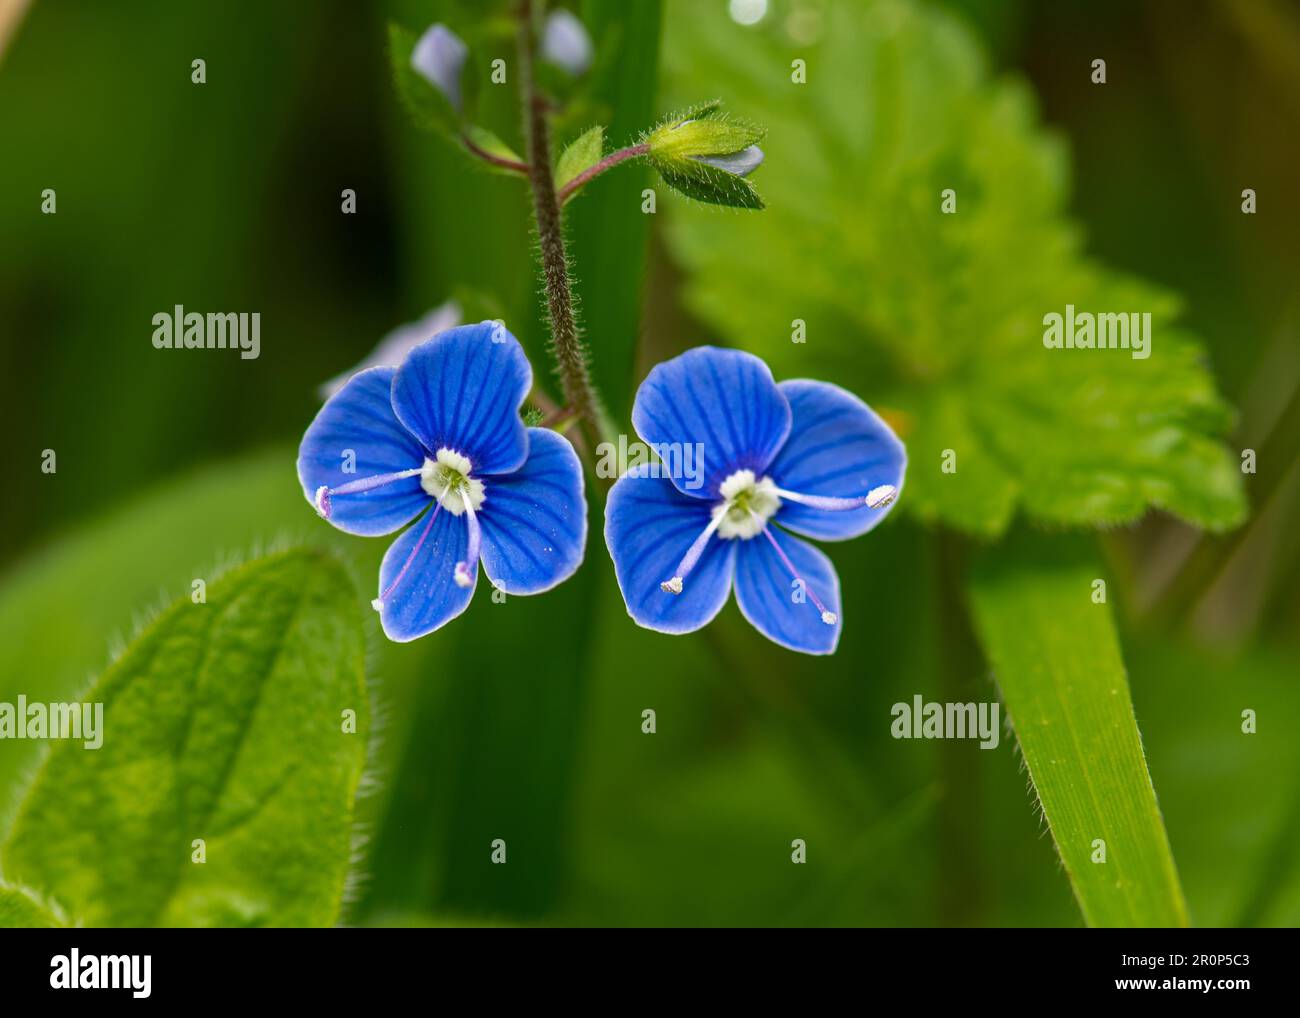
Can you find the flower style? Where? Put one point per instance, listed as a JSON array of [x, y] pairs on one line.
[[802, 454], [441, 434]]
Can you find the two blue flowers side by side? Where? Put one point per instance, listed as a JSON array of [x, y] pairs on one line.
[[439, 441]]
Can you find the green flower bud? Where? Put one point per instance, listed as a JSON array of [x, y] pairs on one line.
[[706, 155]]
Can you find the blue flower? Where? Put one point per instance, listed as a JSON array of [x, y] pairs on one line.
[[441, 435], [800, 457]]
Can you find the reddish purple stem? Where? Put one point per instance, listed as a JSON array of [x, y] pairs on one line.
[[611, 160]]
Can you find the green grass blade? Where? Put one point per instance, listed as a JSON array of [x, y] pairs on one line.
[[1056, 656], [608, 230]]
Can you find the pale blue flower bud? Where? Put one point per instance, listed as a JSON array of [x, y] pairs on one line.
[[439, 57], [565, 42], [741, 163]]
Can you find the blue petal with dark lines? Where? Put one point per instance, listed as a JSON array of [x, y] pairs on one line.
[[724, 400], [784, 608], [355, 435], [838, 447], [649, 525], [535, 519], [462, 390]]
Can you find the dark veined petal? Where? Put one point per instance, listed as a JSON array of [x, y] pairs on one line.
[[780, 607], [725, 400], [535, 519], [838, 447], [356, 427], [461, 390], [416, 581], [649, 526]]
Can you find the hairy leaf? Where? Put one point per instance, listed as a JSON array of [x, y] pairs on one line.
[[712, 186], [223, 723], [701, 133], [580, 154]]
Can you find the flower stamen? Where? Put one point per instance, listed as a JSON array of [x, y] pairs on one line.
[[829, 617], [448, 477], [464, 571], [878, 497], [692, 556], [378, 603], [747, 503], [325, 494]]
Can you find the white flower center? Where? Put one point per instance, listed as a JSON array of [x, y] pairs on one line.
[[447, 478], [748, 503]]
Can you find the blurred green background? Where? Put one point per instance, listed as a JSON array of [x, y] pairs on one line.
[[523, 721]]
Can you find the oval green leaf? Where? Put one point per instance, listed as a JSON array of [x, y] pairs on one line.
[[581, 154], [224, 788]]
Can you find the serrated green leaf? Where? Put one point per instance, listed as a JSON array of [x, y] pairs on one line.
[[223, 721], [581, 154], [21, 909], [1056, 658], [712, 186], [428, 108], [937, 319]]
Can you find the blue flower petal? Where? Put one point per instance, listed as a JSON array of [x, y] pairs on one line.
[[462, 390], [838, 446], [766, 593], [649, 526], [535, 519], [359, 417], [426, 597], [724, 399]]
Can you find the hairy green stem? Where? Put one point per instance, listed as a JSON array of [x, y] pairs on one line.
[[566, 344]]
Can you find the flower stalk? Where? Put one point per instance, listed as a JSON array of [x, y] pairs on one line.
[[500, 162], [565, 340], [609, 162]]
